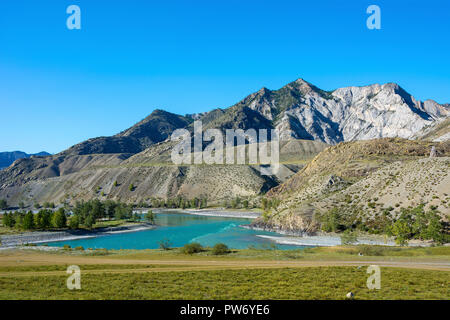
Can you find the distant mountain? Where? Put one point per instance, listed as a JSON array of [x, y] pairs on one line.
[[157, 127], [301, 111], [7, 158]]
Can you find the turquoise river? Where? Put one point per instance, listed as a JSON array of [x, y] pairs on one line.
[[181, 228]]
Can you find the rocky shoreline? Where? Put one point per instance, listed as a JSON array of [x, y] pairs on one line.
[[263, 227], [9, 241], [224, 213], [303, 238], [220, 212]]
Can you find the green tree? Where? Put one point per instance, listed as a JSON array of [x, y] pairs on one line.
[[8, 220], [266, 216], [89, 221], [220, 249], [3, 204], [18, 219], [264, 204], [28, 221], [435, 228], [74, 222], [235, 202], [59, 219], [43, 219], [348, 237], [150, 216], [402, 232], [331, 221], [131, 187], [110, 207], [191, 248]]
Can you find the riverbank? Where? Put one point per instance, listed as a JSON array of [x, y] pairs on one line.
[[300, 238], [224, 213], [219, 212], [15, 240]]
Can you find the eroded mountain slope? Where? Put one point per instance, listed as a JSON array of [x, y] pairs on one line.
[[362, 179]]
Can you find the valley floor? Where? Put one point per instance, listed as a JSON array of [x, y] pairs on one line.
[[316, 273]]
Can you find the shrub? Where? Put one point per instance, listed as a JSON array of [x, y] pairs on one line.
[[79, 248], [30, 245], [368, 250], [348, 237], [220, 248], [67, 247], [165, 244], [331, 221], [191, 248]]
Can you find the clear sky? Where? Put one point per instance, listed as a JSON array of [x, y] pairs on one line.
[[59, 87]]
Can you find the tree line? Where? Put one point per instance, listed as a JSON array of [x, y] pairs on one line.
[[85, 214], [411, 223], [43, 220]]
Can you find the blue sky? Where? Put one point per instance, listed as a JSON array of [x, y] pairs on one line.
[[59, 87]]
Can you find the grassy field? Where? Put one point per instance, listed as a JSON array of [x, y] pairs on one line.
[[316, 273], [281, 283]]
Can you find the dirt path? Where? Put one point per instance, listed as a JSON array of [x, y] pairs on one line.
[[179, 264]]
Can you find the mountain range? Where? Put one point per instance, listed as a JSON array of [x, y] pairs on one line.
[[310, 121], [7, 158]]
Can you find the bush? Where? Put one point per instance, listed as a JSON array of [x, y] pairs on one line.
[[348, 237], [331, 221], [165, 244], [192, 248], [79, 248], [369, 250], [220, 248], [30, 245], [67, 247]]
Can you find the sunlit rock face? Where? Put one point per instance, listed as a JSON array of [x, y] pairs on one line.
[[302, 111]]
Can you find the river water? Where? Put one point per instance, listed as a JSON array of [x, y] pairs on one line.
[[181, 228]]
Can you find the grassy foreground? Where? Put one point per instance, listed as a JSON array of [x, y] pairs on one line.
[[282, 283], [317, 273]]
